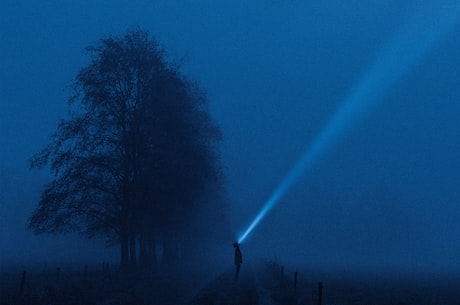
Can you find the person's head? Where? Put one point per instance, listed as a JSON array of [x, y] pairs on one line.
[[236, 245]]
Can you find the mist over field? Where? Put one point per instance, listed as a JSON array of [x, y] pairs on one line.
[[321, 135]]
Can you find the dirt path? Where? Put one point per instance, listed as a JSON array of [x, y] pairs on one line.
[[225, 290]]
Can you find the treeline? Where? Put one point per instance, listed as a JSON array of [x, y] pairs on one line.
[[137, 160]]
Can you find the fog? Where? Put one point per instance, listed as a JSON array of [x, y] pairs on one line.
[[383, 196]]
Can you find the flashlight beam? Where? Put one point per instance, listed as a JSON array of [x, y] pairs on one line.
[[419, 35]]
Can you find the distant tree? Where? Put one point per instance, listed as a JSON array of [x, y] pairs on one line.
[[135, 157]]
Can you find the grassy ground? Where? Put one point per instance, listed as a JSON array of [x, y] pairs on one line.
[[96, 286], [372, 288], [267, 283]]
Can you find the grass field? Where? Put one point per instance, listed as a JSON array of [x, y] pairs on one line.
[[266, 283]]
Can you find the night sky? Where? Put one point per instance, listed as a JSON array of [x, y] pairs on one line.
[[386, 194]]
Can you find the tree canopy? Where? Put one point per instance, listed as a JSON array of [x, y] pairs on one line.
[[138, 156]]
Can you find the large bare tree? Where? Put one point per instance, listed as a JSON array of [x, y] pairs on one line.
[[135, 156]]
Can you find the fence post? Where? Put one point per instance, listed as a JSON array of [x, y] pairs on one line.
[[295, 280], [23, 281], [320, 293]]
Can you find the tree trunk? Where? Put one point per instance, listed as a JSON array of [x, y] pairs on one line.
[[148, 251], [143, 250], [132, 250], [153, 251], [170, 248], [124, 259]]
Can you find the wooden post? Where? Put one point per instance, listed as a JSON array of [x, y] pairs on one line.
[[23, 281], [295, 280], [58, 271], [320, 293]]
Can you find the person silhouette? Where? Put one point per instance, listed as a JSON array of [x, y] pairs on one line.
[[238, 259]]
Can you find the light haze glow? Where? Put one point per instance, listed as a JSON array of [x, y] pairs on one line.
[[419, 35]]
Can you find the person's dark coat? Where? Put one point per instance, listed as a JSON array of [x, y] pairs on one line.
[[238, 255]]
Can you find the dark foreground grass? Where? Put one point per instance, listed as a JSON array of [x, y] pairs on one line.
[[268, 283], [98, 287], [366, 287]]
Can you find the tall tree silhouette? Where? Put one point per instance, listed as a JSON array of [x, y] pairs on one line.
[[136, 155]]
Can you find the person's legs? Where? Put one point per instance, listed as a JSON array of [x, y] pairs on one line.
[[237, 271]]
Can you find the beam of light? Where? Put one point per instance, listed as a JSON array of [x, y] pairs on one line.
[[419, 35]]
